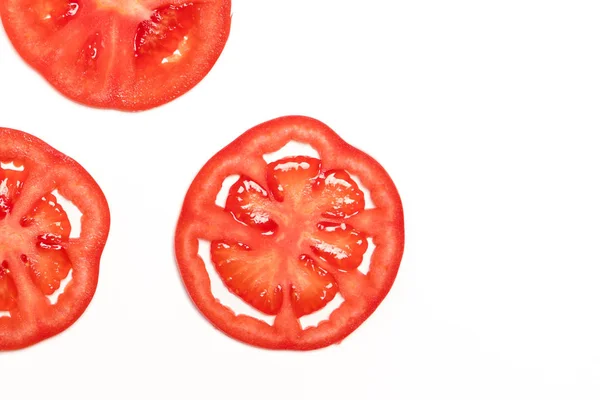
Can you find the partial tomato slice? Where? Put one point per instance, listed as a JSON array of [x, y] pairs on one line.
[[37, 253], [293, 236], [129, 55]]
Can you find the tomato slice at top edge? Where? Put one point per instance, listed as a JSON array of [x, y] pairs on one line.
[[48, 273], [291, 236], [129, 55]]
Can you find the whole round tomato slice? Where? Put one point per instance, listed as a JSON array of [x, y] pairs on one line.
[[129, 55], [38, 251], [291, 236]]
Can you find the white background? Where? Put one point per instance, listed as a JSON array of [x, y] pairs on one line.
[[485, 113]]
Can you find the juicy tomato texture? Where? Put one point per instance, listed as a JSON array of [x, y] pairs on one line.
[[48, 274], [291, 236], [129, 55]]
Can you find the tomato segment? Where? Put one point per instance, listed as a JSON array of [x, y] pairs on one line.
[[36, 251], [51, 264], [50, 217], [164, 34], [342, 195], [292, 177], [249, 203], [249, 274], [288, 245], [312, 287], [48, 268], [339, 244], [129, 55]]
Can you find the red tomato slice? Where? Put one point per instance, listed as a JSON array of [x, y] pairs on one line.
[[37, 252], [291, 236], [129, 55]]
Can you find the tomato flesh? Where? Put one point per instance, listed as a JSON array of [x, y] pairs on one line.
[[346, 198], [297, 183], [8, 290], [50, 264], [164, 34], [249, 203], [339, 245], [37, 252], [291, 177], [312, 288], [128, 55], [249, 274], [51, 14], [90, 52]]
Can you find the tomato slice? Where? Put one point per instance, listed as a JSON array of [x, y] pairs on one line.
[[291, 236], [128, 55], [37, 250]]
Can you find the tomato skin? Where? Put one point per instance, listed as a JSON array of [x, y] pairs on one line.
[[34, 318], [91, 59], [200, 218]]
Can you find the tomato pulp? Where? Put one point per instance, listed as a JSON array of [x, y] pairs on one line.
[[130, 55], [38, 252], [291, 236]]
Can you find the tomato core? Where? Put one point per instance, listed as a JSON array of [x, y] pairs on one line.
[[10, 237]]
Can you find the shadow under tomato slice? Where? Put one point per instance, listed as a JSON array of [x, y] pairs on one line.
[[37, 251], [129, 55], [291, 235]]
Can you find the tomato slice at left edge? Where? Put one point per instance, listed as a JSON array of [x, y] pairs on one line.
[[129, 55], [48, 272], [291, 235]]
